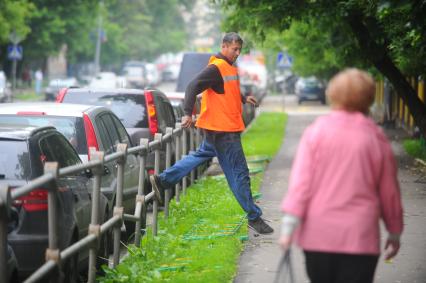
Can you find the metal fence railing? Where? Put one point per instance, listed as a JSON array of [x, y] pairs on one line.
[[53, 266]]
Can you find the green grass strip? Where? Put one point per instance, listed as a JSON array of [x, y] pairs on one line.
[[415, 148], [210, 214]]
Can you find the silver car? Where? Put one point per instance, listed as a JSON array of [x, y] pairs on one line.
[[84, 126]]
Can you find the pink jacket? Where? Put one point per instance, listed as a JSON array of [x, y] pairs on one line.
[[343, 180]]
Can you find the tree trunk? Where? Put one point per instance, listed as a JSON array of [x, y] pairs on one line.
[[378, 56]]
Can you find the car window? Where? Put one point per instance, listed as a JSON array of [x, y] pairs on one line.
[[112, 130], [124, 137], [14, 160], [55, 147], [71, 127], [129, 108], [165, 115], [108, 145]]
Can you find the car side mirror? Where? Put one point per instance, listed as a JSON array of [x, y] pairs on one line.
[[87, 173], [13, 220], [106, 171]]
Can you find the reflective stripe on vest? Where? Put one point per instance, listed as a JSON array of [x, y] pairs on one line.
[[222, 112]]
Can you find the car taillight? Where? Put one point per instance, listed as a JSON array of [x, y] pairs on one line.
[[61, 95], [34, 201], [152, 115], [90, 134]]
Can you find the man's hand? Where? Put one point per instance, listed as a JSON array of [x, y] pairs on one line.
[[252, 100], [186, 121]]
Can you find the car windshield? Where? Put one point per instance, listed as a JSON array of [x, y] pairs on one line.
[[71, 127], [129, 108], [14, 160]]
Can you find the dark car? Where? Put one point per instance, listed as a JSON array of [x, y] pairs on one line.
[[55, 85], [177, 99], [12, 265], [84, 126], [310, 88], [23, 152], [142, 112]]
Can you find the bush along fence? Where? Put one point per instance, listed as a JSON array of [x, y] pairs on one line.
[[53, 267]]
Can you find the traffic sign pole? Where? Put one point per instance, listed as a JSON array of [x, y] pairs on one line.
[[14, 55]]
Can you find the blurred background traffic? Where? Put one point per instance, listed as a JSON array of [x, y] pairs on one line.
[[105, 44]]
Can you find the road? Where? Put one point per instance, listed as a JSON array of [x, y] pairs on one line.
[[258, 262]]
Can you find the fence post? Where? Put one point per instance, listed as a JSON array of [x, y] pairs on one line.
[[94, 227], [184, 152], [197, 145], [191, 148], [177, 157], [53, 252], [5, 200], [141, 223], [118, 209], [169, 130], [157, 137]]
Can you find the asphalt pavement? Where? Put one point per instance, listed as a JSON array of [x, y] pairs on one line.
[[259, 260]]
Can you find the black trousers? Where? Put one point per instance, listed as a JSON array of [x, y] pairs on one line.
[[340, 268]]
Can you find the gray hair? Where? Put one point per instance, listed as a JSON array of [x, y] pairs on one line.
[[231, 37]]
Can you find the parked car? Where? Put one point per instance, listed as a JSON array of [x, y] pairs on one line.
[[23, 152], [135, 74], [176, 99], [152, 75], [170, 73], [106, 80], [143, 112], [4, 88], [56, 85], [84, 126], [249, 111], [310, 88], [12, 266]]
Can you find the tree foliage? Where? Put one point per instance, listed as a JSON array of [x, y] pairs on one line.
[[14, 16], [132, 29], [387, 35]]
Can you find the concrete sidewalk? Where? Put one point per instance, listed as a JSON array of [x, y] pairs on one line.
[[259, 261]]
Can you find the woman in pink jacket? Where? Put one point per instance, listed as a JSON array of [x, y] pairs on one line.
[[343, 181]]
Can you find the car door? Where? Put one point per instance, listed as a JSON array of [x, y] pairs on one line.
[[165, 118], [131, 171], [74, 195], [112, 137]]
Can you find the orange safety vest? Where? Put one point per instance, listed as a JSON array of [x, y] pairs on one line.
[[222, 112]]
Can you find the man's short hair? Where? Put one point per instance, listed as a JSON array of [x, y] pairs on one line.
[[231, 37]]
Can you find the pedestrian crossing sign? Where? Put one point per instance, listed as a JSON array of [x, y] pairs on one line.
[[14, 52]]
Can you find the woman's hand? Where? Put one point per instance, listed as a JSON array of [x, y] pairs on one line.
[[285, 242], [391, 247]]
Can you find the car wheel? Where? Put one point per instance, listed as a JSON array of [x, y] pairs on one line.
[[70, 270], [299, 101], [106, 244]]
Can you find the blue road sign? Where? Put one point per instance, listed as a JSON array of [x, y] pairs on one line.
[[284, 60], [14, 52]]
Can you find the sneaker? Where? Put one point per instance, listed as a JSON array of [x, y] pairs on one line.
[[260, 226], [157, 187]]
